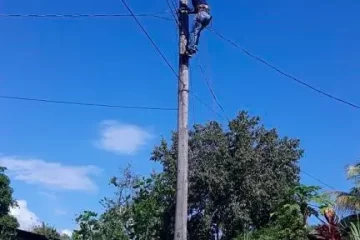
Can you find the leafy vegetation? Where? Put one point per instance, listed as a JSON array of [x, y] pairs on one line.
[[47, 231], [329, 229], [244, 185], [350, 201], [289, 221], [238, 178], [8, 224], [354, 231]]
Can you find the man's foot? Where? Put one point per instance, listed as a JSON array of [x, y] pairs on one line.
[[190, 52]]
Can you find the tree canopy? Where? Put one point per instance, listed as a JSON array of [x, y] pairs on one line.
[[243, 184], [238, 177], [8, 224]]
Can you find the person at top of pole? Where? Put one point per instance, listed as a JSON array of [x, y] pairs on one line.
[[201, 20]]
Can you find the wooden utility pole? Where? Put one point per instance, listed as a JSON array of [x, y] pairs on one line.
[[183, 114]]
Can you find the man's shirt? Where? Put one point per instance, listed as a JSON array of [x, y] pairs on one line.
[[196, 3]]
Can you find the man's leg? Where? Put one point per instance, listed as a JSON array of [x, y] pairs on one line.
[[194, 35], [201, 21], [205, 19]]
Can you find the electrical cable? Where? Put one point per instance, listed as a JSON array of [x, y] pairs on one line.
[[284, 73], [162, 55], [211, 90], [317, 179], [207, 105], [149, 37], [154, 15], [173, 12], [85, 103]]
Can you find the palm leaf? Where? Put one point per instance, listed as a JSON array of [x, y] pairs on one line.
[[353, 173], [347, 202], [355, 231]]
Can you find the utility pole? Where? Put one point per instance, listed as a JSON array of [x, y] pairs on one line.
[[183, 138]]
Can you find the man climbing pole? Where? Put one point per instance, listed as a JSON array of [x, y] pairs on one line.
[[201, 20]]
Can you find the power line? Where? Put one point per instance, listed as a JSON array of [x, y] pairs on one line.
[[284, 73], [149, 37], [154, 15], [161, 54], [88, 104], [85, 103], [173, 7], [175, 10], [132, 14], [207, 105], [172, 12], [173, 2], [317, 179], [98, 16], [211, 90]]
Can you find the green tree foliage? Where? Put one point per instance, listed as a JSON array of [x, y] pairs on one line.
[[238, 176], [354, 231], [116, 222], [8, 224], [89, 227], [289, 221], [310, 201], [47, 231]]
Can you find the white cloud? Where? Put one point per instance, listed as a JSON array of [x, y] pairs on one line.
[[122, 138], [51, 174], [67, 232], [25, 217]]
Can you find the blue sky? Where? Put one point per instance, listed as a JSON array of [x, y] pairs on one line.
[[111, 61]]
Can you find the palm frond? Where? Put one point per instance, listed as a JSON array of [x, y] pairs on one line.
[[354, 231], [347, 202], [353, 172]]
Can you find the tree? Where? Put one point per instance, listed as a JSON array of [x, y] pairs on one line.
[[89, 227], [47, 231], [8, 224], [289, 221], [117, 220], [106, 227], [311, 201], [350, 201], [331, 228], [238, 176]]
